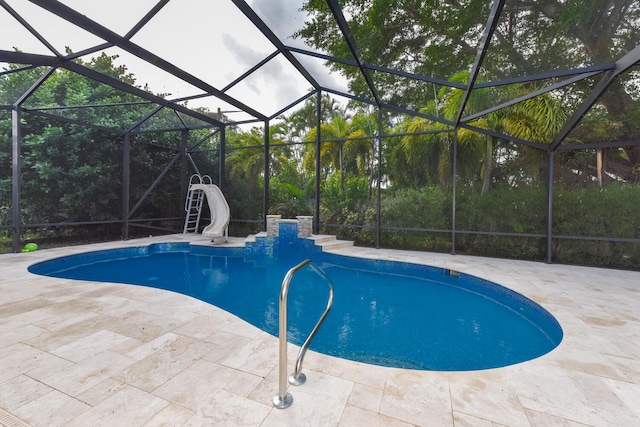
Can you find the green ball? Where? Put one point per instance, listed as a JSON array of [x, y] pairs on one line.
[[30, 247]]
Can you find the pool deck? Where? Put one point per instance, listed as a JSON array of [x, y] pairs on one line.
[[79, 353]]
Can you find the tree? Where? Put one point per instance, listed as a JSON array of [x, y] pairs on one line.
[[399, 34], [416, 159], [72, 173], [535, 119], [427, 149], [432, 37], [246, 158], [347, 151], [301, 121]]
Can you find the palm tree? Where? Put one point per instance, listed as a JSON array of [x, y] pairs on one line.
[[301, 121], [246, 158], [365, 125], [349, 151], [418, 158], [535, 119]]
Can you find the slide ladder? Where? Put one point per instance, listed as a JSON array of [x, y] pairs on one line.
[[193, 203]]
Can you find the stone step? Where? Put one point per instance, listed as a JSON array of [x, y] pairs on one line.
[[322, 238], [334, 243], [251, 238]]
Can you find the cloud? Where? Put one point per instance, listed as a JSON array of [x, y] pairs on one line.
[[283, 17], [273, 85]]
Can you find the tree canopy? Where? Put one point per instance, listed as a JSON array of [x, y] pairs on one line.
[[440, 39]]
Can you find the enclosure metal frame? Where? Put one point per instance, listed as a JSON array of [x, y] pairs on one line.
[[608, 72]]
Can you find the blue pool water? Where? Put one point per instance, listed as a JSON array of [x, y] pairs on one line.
[[385, 313]]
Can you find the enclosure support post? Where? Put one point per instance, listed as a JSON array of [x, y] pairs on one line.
[[265, 196], [379, 186], [16, 137], [316, 216], [184, 171], [222, 159], [15, 187], [126, 181], [453, 192], [550, 207]]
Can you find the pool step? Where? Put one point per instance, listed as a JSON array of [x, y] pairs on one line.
[[251, 238], [328, 242], [325, 241]]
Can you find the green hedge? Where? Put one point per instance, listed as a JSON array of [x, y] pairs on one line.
[[611, 212]]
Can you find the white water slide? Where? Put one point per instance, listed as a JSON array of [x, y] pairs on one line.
[[220, 214]]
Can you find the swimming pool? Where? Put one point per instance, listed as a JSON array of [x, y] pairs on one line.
[[385, 313]]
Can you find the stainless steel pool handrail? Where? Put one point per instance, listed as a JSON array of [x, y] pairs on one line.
[[283, 399]]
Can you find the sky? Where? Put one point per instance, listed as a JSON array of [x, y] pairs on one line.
[[212, 40]]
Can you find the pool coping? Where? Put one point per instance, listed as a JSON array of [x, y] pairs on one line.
[[83, 352]]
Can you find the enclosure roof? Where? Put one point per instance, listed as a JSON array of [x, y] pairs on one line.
[[249, 61]]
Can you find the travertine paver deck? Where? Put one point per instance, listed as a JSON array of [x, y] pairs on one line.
[[95, 354]]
